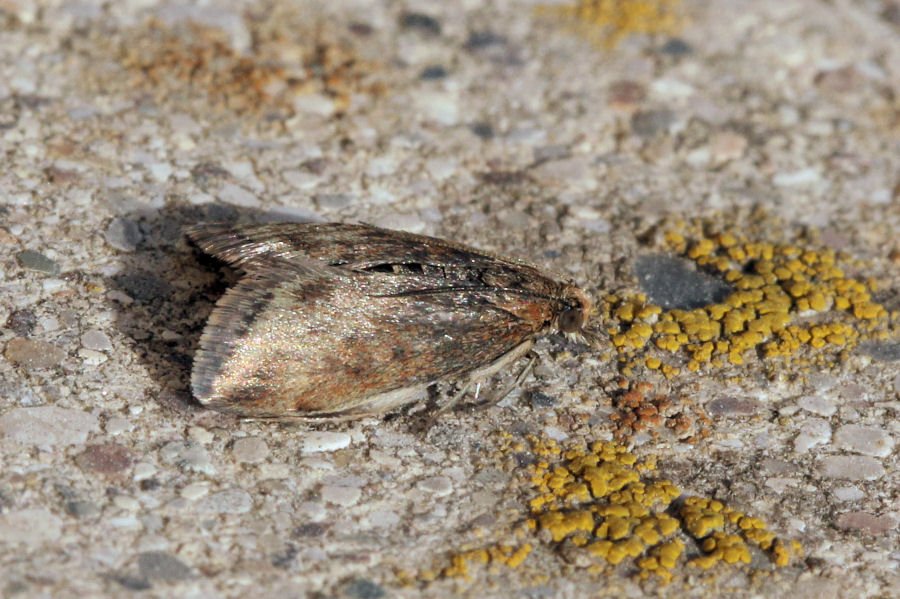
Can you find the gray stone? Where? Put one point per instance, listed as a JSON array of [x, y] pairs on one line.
[[159, 565], [647, 123], [881, 350], [673, 283], [333, 201], [230, 501], [21, 322], [96, 340], [33, 260], [187, 455], [733, 406], [237, 196], [341, 495], [33, 354], [851, 467], [818, 405], [361, 588], [31, 527], [438, 485], [48, 426], [814, 431], [867, 440], [123, 234], [81, 509], [250, 449]]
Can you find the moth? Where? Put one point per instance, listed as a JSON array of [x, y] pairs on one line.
[[343, 320]]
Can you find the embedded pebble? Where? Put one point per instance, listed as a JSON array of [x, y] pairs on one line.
[[440, 107], [117, 426], [96, 340], [187, 455], [733, 406], [143, 471], [32, 354], [105, 458], [882, 351], [865, 522], [123, 234], [250, 449], [362, 588], [230, 501], [33, 260], [195, 491], [672, 283], [851, 467], [30, 527], [317, 441], [849, 493], [383, 518], [802, 177], [813, 431], [48, 426], [818, 405], [81, 509], [237, 196], [341, 495], [438, 485], [726, 146], [647, 123], [867, 440], [21, 322], [126, 503], [159, 565]]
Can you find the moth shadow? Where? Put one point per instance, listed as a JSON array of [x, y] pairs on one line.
[[165, 289]]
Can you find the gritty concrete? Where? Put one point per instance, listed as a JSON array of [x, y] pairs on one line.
[[495, 124]]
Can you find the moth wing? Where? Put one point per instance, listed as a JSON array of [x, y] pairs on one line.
[[348, 245], [312, 344]]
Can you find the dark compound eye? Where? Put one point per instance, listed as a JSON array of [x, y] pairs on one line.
[[570, 320]]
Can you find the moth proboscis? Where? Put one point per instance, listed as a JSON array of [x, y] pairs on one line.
[[342, 321]]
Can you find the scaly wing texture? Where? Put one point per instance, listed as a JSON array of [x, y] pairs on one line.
[[323, 340], [363, 247]]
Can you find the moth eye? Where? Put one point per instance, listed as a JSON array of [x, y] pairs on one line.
[[570, 320]]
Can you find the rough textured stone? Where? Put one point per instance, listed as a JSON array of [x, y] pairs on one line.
[[672, 284], [106, 458], [317, 441], [159, 565], [33, 260], [868, 440], [32, 354], [865, 522], [31, 527], [47, 426], [230, 501], [250, 449], [851, 467]]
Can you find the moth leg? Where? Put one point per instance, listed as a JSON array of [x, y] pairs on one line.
[[509, 389], [485, 372]]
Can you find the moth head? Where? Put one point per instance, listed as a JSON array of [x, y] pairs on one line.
[[575, 312]]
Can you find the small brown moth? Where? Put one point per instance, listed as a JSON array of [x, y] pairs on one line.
[[343, 321]]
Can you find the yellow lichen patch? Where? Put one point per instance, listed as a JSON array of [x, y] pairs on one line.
[[497, 555], [786, 298], [616, 19], [627, 517], [597, 508]]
